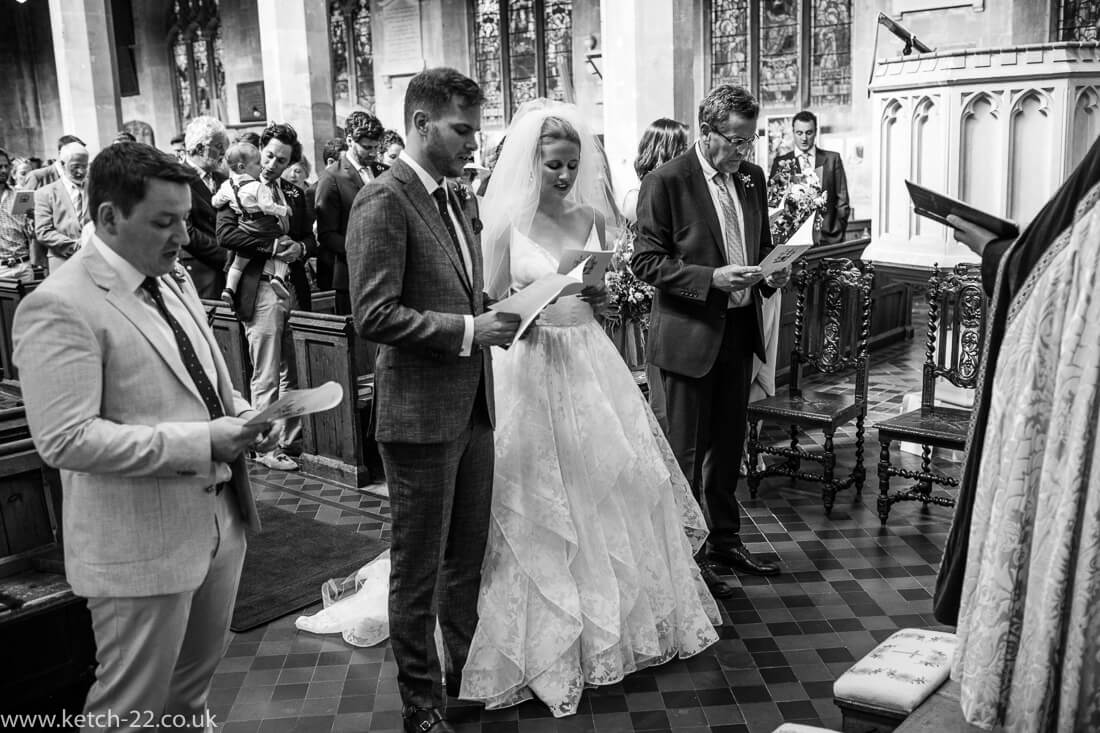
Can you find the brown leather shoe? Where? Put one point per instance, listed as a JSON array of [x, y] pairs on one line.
[[739, 558], [426, 720], [718, 587]]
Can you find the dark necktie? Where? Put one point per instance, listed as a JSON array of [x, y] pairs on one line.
[[440, 196], [187, 352]]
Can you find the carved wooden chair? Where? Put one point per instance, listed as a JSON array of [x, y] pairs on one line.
[[956, 334], [835, 297]]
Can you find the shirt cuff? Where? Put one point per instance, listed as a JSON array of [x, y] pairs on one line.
[[467, 336]]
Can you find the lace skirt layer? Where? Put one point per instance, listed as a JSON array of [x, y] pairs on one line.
[[589, 573]]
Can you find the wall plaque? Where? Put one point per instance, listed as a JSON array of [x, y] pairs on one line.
[[251, 104], [403, 49]]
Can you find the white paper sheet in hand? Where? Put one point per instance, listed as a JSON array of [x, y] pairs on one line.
[[529, 302], [595, 264], [298, 402], [784, 255]]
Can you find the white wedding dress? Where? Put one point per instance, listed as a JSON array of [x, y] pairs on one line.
[[589, 572]]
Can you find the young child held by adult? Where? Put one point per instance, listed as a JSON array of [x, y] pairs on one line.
[[259, 214]]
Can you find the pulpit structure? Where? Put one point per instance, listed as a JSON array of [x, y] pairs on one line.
[[999, 128]]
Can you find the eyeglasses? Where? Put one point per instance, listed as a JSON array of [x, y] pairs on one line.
[[738, 144]]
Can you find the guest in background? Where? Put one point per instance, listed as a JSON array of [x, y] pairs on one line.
[[51, 172], [336, 190], [249, 137], [662, 141], [392, 145], [333, 147], [61, 207], [702, 230], [261, 310], [21, 169], [16, 232], [832, 221], [299, 173], [179, 149], [205, 140], [126, 392]]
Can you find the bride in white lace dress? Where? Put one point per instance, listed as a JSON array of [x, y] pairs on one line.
[[589, 572], [588, 575]]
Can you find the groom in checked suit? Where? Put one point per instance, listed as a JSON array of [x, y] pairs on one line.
[[417, 289], [702, 230], [127, 393]]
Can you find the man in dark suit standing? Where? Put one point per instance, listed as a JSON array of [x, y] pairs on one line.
[[205, 141], [702, 230], [832, 221], [417, 287], [336, 190], [262, 311]]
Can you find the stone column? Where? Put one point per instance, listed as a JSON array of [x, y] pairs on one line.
[[647, 71], [296, 69], [87, 79]]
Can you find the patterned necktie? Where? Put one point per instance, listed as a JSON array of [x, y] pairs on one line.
[[440, 196], [735, 250], [187, 352], [78, 205]]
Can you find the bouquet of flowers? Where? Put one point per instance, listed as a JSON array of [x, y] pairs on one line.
[[628, 298], [793, 197]]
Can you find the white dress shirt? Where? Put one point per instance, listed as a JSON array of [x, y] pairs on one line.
[[131, 280], [430, 184]]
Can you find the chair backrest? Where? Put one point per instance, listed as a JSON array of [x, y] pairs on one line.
[[956, 329], [832, 320]]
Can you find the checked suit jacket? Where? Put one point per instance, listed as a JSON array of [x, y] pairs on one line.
[[409, 292]]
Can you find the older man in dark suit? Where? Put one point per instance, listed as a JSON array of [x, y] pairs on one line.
[[262, 311], [702, 230], [832, 221], [336, 190], [416, 277], [205, 141]]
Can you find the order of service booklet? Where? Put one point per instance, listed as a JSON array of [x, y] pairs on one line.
[[784, 255], [587, 269], [937, 207]]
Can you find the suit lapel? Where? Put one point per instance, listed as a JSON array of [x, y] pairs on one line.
[[751, 217], [700, 194], [66, 201], [429, 212], [190, 298]]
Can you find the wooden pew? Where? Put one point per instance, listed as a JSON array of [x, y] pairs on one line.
[[229, 333], [337, 445], [323, 301], [11, 293]]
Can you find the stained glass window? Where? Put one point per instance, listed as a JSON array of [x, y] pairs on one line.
[[1078, 20], [523, 49], [730, 42], [351, 48], [197, 59], [791, 53]]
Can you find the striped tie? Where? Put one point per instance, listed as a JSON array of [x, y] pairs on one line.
[[735, 249]]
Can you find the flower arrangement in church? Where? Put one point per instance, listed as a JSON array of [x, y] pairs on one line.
[[793, 197], [628, 297]]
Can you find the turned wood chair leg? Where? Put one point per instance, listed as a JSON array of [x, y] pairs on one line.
[[884, 481], [793, 463], [859, 473], [828, 491], [752, 475], [924, 486]]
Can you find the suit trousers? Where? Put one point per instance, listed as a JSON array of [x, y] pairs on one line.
[[271, 349], [707, 422], [157, 654], [440, 500]]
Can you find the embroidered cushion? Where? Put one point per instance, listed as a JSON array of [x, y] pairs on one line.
[[900, 672]]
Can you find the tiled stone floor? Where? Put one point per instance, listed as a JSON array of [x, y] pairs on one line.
[[847, 584]]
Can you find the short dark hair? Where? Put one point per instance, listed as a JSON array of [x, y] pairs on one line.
[[333, 147], [805, 116], [66, 139], [392, 137], [35, 161], [662, 141], [285, 134], [724, 100], [361, 125], [251, 138], [120, 173], [432, 90]]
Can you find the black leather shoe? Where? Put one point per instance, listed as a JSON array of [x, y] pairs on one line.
[[426, 720], [718, 587], [741, 559]]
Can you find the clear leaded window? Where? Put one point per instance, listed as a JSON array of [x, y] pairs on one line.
[[198, 74], [351, 48], [791, 53], [1077, 20], [523, 49]]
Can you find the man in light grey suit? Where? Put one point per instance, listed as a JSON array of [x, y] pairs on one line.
[[127, 393], [61, 207], [417, 289]]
